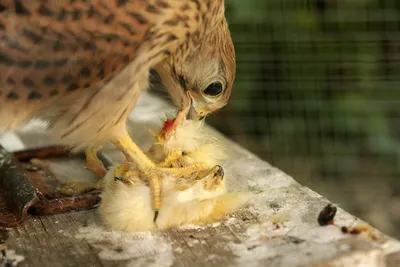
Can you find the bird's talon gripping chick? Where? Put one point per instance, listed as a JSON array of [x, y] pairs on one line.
[[198, 199], [122, 170], [152, 172], [123, 179]]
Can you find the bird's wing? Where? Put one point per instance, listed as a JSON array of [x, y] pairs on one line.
[[54, 47]]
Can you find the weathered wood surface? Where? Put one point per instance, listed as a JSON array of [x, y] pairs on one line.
[[279, 228]]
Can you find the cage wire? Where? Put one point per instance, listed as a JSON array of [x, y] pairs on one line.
[[317, 95]]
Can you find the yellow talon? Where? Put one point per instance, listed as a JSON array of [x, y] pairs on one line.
[[150, 171], [121, 170]]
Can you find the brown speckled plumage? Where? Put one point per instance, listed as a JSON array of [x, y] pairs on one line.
[[58, 52], [81, 64]]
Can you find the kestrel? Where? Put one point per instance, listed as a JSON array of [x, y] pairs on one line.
[[81, 65]]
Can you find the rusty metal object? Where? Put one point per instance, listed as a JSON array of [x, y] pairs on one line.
[[28, 184]]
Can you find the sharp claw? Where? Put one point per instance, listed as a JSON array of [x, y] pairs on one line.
[[220, 172], [155, 215]]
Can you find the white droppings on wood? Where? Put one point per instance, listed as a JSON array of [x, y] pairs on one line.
[[290, 234], [145, 249], [252, 253], [275, 179], [193, 227], [11, 258], [178, 250]]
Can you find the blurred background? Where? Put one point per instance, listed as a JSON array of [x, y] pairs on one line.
[[317, 94]]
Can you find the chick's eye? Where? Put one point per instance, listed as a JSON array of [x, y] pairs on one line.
[[213, 89]]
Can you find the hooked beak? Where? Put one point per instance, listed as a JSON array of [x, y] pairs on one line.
[[192, 113], [194, 116]]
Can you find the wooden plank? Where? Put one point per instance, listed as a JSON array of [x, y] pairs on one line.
[[49, 241], [278, 228], [393, 259], [78, 240]]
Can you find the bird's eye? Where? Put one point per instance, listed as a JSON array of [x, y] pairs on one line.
[[213, 89]]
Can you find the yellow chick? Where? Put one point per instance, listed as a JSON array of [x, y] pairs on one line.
[[126, 205], [199, 199], [186, 144]]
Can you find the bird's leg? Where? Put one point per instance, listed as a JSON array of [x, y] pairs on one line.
[[78, 188], [93, 163], [150, 170], [129, 176]]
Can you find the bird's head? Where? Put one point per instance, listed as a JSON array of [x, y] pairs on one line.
[[203, 69]]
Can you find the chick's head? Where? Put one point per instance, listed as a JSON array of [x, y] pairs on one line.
[[189, 136], [197, 201]]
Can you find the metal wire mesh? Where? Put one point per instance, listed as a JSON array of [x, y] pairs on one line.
[[317, 95]]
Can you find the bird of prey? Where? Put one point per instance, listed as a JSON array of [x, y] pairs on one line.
[[81, 65]]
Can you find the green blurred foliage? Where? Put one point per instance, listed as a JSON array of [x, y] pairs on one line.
[[317, 94]]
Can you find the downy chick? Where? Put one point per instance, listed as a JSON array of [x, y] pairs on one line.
[[126, 205], [199, 199]]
